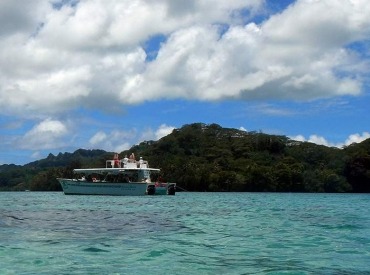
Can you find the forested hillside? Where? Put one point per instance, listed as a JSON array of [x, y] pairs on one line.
[[202, 157]]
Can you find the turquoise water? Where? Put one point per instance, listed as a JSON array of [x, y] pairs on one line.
[[190, 233]]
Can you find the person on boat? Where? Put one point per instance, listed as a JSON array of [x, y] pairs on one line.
[[116, 160], [141, 162], [125, 160], [132, 157]]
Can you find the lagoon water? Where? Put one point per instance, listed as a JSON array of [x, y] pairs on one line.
[[189, 233]]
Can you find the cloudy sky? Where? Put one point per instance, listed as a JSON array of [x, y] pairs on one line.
[[108, 74]]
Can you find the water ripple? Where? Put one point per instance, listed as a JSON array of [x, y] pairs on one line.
[[190, 233]]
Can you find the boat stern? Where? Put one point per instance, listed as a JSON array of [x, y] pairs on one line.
[[161, 188]]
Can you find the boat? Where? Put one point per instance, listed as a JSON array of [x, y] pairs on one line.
[[119, 177]]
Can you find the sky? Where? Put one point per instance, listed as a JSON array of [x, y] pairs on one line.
[[109, 74]]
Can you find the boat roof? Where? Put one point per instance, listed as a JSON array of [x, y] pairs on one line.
[[112, 170]]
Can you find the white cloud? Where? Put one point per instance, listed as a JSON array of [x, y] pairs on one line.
[[48, 134], [115, 141], [163, 131], [122, 147], [298, 138], [318, 140], [36, 155], [353, 138], [147, 134], [105, 24], [357, 138], [271, 110], [90, 53], [98, 138], [313, 139], [118, 141], [21, 17], [290, 56]]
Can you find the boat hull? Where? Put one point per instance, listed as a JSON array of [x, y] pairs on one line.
[[78, 187], [75, 187]]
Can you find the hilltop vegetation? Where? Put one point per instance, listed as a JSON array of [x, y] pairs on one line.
[[202, 157]]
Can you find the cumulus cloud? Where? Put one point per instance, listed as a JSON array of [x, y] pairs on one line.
[[91, 53], [21, 17], [45, 135], [106, 24], [115, 141], [118, 141], [163, 131], [59, 56], [289, 56], [298, 138], [98, 138], [356, 138], [320, 140]]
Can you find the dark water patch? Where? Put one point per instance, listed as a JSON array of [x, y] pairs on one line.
[[15, 218], [51, 242], [95, 250], [337, 271], [158, 253]]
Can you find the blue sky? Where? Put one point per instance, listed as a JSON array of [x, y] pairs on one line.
[[106, 74]]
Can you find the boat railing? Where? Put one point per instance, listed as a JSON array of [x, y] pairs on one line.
[[126, 163], [130, 165]]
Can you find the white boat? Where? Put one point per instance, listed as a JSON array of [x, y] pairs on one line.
[[125, 177]]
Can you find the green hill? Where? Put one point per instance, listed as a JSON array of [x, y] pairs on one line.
[[201, 157], [41, 175]]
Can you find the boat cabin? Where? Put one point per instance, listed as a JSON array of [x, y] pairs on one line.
[[116, 170]]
